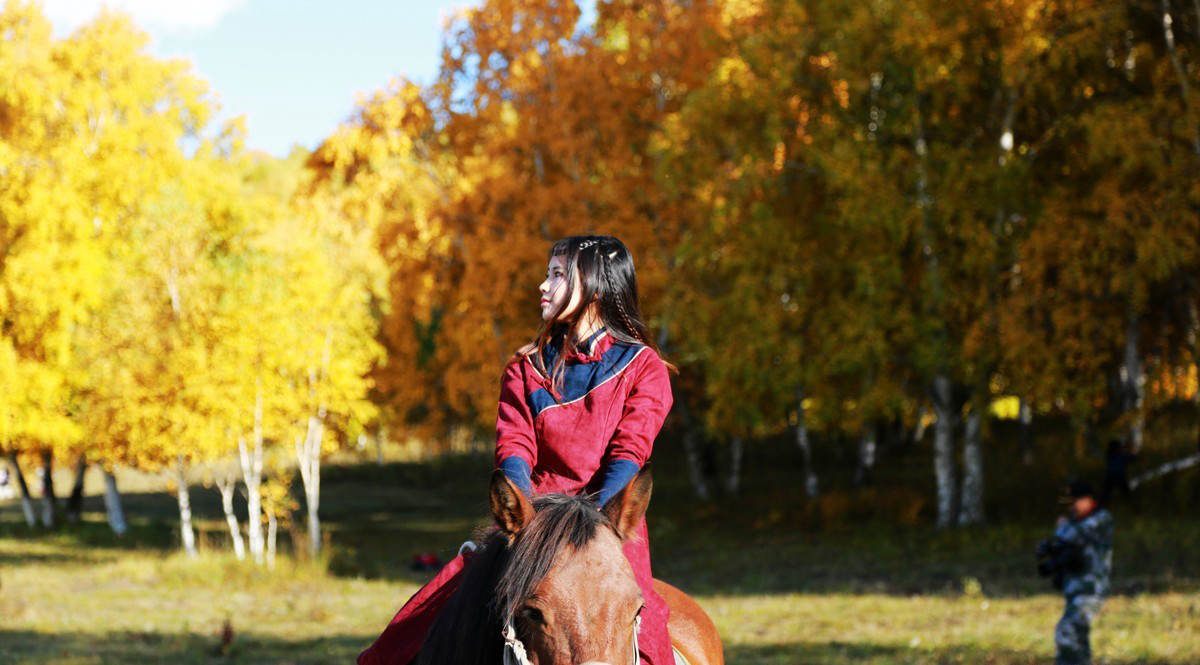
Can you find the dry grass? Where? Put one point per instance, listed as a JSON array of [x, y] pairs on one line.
[[779, 591], [59, 607]]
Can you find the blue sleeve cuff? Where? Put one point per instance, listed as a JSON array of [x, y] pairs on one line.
[[617, 475], [517, 470]]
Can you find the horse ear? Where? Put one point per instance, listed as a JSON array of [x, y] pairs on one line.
[[627, 507], [511, 508]]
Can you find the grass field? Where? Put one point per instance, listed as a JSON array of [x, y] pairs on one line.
[[780, 590]]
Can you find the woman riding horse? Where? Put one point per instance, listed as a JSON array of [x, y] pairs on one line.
[[579, 410]]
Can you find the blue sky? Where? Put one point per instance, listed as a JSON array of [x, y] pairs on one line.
[[293, 68]]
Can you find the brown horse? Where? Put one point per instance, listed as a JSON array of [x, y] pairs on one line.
[[553, 578]]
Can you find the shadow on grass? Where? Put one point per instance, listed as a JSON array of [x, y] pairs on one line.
[[121, 648], [841, 653], [47, 558]]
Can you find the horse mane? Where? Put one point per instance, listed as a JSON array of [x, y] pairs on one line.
[[501, 577]]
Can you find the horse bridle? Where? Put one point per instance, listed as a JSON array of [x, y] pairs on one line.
[[514, 649]]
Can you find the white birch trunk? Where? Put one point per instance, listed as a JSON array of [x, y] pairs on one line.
[[691, 448], [227, 486], [251, 458], [23, 488], [49, 501], [1025, 418], [971, 510], [272, 529], [1181, 73], [308, 455], [252, 477], [112, 504], [811, 486], [1131, 374], [1163, 469], [867, 445], [187, 535], [943, 450], [734, 482]]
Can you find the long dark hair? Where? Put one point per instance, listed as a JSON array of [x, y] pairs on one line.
[[606, 278]]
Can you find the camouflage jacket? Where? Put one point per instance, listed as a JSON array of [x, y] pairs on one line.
[[1094, 536]]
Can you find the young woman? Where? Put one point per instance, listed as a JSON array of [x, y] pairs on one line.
[[579, 410]]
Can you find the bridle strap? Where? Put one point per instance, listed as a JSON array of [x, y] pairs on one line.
[[637, 628], [514, 649]]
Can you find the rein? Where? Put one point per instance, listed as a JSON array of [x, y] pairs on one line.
[[514, 649]]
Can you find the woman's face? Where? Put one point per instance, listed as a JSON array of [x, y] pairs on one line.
[[555, 291]]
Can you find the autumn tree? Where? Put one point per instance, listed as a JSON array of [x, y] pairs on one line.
[[90, 127], [550, 123]]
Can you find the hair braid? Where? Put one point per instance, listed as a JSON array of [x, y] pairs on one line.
[[633, 332]]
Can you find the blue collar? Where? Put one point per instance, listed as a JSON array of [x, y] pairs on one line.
[[587, 347]]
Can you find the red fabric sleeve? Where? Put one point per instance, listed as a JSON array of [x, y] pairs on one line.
[[514, 421], [645, 409]]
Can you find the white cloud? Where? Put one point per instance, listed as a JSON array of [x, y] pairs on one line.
[[170, 15]]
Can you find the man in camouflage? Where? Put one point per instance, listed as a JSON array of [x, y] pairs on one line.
[[1088, 532]]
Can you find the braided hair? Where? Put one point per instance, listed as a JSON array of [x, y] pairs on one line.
[[608, 282]]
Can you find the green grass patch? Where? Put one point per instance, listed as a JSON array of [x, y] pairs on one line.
[[787, 581]]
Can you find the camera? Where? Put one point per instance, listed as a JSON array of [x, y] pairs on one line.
[[1057, 558]]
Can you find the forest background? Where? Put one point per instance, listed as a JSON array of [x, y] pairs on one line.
[[876, 231], [884, 242]]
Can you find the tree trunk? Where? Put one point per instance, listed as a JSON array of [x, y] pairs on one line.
[[1181, 73], [308, 455], [733, 483], [695, 463], [112, 504], [1134, 382], [1163, 469], [867, 444], [380, 439], [971, 511], [943, 450], [692, 450], [1025, 419], [252, 463], [187, 535], [272, 529], [75, 502], [252, 477], [226, 486], [23, 487], [811, 487], [49, 500]]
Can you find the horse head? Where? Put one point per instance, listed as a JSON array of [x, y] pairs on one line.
[[550, 584], [568, 595]]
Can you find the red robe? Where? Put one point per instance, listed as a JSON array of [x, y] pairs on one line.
[[613, 401]]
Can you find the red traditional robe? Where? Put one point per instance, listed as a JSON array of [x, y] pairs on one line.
[[613, 401]]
